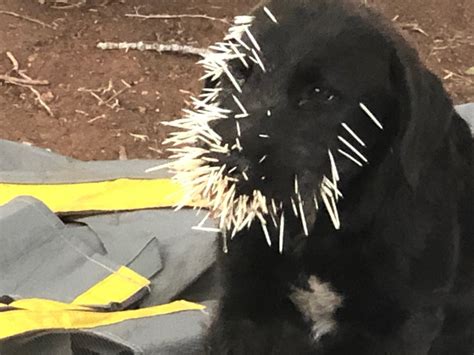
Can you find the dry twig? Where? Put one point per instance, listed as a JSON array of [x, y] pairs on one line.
[[159, 47], [452, 75], [24, 81], [413, 27], [100, 95], [21, 81], [178, 16], [96, 118], [27, 18], [40, 100], [64, 5]]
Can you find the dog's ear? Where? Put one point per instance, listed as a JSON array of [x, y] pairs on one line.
[[426, 113]]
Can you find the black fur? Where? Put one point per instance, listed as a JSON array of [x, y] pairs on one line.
[[404, 258]]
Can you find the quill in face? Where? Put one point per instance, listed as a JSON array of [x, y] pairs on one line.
[[283, 121]]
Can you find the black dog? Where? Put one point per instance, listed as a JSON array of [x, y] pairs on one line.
[[387, 267]]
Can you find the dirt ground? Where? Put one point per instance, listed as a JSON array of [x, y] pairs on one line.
[[108, 104]]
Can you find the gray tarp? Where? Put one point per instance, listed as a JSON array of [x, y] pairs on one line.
[[467, 112], [47, 258], [44, 256], [158, 244]]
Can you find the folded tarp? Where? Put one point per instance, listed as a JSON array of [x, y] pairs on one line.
[[105, 263], [67, 284], [157, 244]]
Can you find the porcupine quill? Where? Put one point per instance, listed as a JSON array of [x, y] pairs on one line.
[[203, 181]]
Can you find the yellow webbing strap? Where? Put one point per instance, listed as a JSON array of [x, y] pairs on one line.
[[115, 288], [37, 315], [114, 195]]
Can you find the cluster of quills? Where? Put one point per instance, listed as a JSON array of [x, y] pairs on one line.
[[204, 180]]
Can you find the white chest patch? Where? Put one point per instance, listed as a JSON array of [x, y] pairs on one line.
[[318, 305]]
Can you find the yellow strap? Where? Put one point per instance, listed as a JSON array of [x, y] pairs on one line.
[[39, 304], [115, 195], [37, 315], [115, 288]]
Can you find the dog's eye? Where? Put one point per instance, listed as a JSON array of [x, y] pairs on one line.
[[318, 95]]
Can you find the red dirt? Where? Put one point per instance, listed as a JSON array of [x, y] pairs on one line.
[[67, 58]]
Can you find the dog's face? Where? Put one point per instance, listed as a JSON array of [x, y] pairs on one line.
[[301, 99], [306, 102]]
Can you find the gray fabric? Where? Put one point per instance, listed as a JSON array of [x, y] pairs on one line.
[[49, 259], [36, 259], [177, 333], [158, 244], [124, 243], [467, 112], [47, 344], [20, 163], [185, 253]]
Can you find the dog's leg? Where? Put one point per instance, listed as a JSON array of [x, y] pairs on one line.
[[256, 316]]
